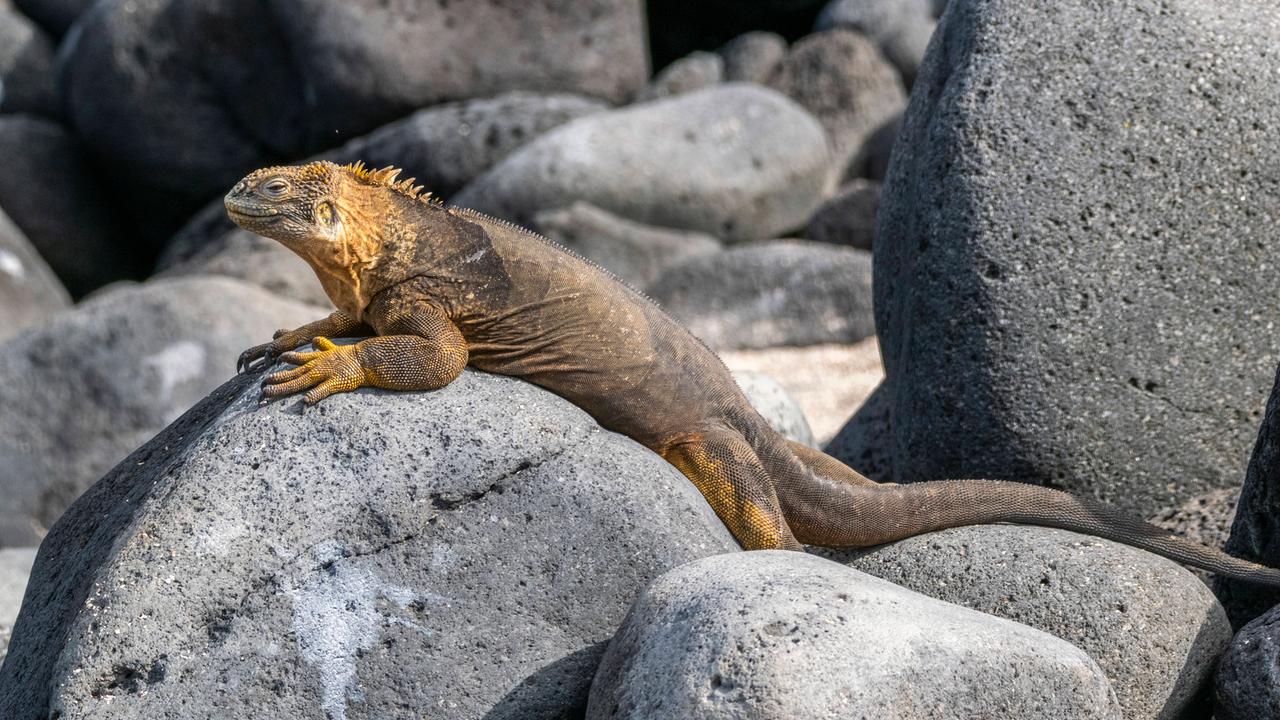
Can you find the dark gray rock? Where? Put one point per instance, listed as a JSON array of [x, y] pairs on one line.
[[1247, 684], [848, 217], [26, 65], [84, 389], [863, 442], [1075, 279], [668, 162], [777, 407], [252, 258], [50, 191], [29, 291], [753, 57], [783, 292], [451, 554], [774, 634], [841, 78], [55, 16], [15, 566], [694, 71], [1154, 628], [1255, 532], [900, 28], [187, 97], [872, 159], [635, 252]]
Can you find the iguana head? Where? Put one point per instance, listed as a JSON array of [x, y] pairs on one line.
[[334, 216]]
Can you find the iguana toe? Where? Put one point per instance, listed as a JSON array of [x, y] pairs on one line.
[[330, 370]]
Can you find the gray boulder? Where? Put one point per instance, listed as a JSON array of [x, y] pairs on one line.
[[667, 163], [777, 407], [1154, 628], [26, 65], [840, 77], [50, 191], [451, 554], [900, 28], [15, 566], [872, 160], [187, 97], [55, 16], [240, 254], [84, 389], [848, 217], [1064, 294], [694, 71], [29, 291], [783, 635], [782, 292], [753, 57], [635, 252], [1247, 684], [1255, 532]]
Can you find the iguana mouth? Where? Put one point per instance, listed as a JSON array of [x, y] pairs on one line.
[[253, 212]]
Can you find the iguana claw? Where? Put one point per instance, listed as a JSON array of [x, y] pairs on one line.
[[255, 358]]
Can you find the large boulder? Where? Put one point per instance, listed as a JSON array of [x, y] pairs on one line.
[[848, 217], [84, 389], [26, 65], [785, 292], [1247, 684], [15, 566], [669, 162], [635, 252], [900, 28], [29, 291], [52, 193], [1153, 627], [1255, 532], [783, 635], [187, 97], [1075, 261], [451, 554], [246, 256], [840, 77]]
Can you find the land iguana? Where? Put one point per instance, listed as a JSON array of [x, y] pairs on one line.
[[439, 288]]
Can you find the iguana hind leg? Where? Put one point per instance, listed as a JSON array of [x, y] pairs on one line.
[[727, 472]]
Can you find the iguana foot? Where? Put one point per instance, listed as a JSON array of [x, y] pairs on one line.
[[330, 369], [260, 356]]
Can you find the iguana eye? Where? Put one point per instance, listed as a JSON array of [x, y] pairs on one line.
[[275, 188]]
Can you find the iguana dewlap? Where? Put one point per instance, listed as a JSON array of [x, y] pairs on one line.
[[441, 288]]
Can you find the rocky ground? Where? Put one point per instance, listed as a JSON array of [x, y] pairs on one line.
[[1017, 239]]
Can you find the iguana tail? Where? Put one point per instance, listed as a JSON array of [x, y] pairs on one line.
[[834, 506]]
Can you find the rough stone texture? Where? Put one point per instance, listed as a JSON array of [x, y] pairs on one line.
[[1153, 628], [848, 217], [51, 193], [864, 442], [783, 292], [252, 258], [665, 163], [782, 635], [753, 57], [84, 389], [694, 71], [26, 65], [635, 252], [771, 400], [1076, 280], [1247, 684], [187, 97], [452, 554], [1255, 532], [29, 291], [829, 382], [900, 28], [841, 78], [15, 566], [55, 16]]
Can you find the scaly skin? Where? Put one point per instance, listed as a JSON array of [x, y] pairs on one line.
[[443, 288]]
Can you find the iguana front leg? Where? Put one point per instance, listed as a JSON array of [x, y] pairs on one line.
[[336, 325], [425, 353]]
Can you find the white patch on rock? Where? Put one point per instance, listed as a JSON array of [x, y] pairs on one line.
[[336, 615], [175, 364], [10, 265]]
